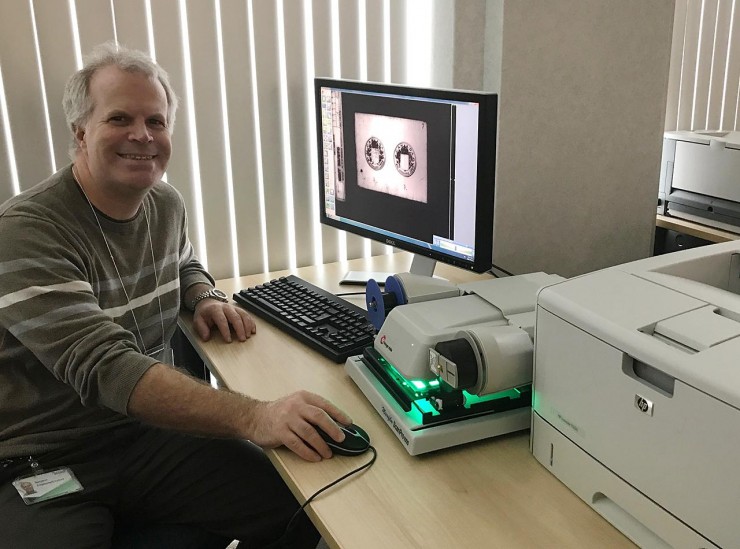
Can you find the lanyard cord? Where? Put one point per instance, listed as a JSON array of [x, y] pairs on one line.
[[115, 266]]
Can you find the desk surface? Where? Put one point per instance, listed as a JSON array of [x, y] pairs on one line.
[[490, 493], [712, 234]]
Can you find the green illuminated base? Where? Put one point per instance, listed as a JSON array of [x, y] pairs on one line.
[[415, 396], [419, 438]]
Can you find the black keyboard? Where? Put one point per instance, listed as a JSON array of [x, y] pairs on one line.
[[325, 322]]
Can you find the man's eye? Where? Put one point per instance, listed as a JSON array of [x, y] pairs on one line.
[[157, 122], [117, 119]]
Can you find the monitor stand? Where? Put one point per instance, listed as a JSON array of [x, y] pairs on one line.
[[420, 265]]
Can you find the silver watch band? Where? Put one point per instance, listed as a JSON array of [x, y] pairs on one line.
[[213, 293]]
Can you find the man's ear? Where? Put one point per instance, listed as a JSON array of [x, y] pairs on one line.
[[79, 133]]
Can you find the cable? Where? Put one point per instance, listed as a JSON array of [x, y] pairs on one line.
[[350, 293], [507, 273], [315, 494]]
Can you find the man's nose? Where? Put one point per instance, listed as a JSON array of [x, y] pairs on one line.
[[140, 132]]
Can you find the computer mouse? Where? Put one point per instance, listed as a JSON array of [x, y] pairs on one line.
[[356, 441]]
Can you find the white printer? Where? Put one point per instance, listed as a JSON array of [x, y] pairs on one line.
[[700, 177], [636, 394]]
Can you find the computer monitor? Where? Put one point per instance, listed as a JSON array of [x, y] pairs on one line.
[[409, 167]]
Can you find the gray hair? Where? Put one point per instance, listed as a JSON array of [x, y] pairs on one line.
[[77, 103]]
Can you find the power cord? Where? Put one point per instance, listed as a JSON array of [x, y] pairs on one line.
[[350, 293], [321, 490]]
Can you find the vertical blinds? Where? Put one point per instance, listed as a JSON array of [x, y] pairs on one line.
[[245, 144], [704, 80]]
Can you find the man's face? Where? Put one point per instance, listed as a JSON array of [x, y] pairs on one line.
[[125, 142]]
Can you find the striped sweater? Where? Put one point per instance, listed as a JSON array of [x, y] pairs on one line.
[[70, 345]]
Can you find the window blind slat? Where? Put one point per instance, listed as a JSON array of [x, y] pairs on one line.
[[130, 21], [349, 60], [239, 93], [322, 59], [730, 119], [23, 93], [264, 27], [56, 43], [301, 124], [94, 23], [374, 16], [398, 41]]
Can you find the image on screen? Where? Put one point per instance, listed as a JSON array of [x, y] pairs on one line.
[[402, 168], [400, 141]]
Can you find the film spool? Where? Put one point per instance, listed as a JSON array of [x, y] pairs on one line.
[[380, 303]]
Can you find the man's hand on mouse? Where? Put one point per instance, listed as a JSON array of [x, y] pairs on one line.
[[290, 421]]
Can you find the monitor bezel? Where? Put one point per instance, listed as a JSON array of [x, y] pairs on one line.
[[485, 169]]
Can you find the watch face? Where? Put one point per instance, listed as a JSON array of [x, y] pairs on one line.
[[219, 293]]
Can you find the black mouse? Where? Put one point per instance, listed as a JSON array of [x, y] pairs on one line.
[[356, 441]]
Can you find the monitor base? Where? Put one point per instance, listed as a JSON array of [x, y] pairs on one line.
[[360, 278]]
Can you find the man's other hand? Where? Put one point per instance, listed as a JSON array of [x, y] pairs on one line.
[[211, 313]]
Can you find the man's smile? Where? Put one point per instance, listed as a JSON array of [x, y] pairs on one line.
[[137, 156]]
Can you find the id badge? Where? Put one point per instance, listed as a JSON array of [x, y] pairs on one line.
[[163, 354], [46, 486]]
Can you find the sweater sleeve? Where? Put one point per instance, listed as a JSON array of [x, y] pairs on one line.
[[48, 303]]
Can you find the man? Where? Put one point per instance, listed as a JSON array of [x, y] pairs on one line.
[[94, 267]]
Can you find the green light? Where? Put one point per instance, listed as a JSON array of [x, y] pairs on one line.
[[426, 407], [420, 392], [417, 388], [473, 399]]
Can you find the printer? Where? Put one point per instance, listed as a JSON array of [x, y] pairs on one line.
[[700, 177], [636, 394]]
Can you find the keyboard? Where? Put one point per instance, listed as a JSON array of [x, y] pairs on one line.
[[325, 322]]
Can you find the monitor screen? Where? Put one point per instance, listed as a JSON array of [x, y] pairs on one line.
[[409, 167]]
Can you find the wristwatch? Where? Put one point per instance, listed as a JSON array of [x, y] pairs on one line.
[[213, 293]]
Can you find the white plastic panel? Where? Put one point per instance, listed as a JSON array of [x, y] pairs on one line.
[[629, 510], [712, 170]]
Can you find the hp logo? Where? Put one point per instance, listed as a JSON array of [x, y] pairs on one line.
[[644, 405]]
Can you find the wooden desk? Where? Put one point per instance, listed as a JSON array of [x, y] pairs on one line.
[[698, 230], [490, 493]]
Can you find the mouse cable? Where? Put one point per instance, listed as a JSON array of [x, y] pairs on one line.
[[349, 293], [319, 491], [500, 270]]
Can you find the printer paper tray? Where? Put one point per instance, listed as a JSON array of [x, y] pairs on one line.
[[631, 512]]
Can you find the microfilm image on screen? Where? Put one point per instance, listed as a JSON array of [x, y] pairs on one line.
[[391, 155], [409, 142], [410, 167]]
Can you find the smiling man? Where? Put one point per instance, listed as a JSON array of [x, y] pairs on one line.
[[95, 265]]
